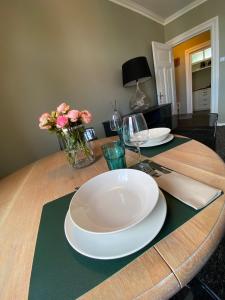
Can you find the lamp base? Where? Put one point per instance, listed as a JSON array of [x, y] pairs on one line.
[[139, 100]]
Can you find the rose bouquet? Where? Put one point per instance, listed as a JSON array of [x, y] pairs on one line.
[[68, 125]]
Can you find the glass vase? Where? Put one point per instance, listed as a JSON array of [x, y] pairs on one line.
[[77, 149]]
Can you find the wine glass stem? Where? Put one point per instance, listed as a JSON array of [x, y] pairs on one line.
[[139, 154]]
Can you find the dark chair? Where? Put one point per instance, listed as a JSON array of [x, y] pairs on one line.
[[213, 120], [196, 290], [89, 135], [108, 131], [205, 134]]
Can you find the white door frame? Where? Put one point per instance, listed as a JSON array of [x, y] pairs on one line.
[[171, 83], [188, 72], [213, 26]]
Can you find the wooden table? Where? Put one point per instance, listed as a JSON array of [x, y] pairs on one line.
[[157, 274]]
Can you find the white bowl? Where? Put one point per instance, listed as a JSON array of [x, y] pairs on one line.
[[119, 244], [158, 134], [114, 201]]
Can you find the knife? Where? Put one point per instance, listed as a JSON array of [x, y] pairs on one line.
[[158, 167]]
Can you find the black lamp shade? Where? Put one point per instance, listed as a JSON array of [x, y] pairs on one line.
[[135, 69]]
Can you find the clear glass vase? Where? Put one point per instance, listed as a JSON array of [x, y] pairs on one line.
[[77, 149]]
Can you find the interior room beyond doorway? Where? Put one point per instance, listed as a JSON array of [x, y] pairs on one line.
[[192, 60]]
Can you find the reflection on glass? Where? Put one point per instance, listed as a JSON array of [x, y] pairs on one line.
[[196, 57], [208, 53], [116, 122], [135, 131], [201, 55]]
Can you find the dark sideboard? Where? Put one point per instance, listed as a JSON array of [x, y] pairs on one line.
[[156, 116]]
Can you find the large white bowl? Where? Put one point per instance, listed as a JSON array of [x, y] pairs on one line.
[[114, 201], [158, 134], [119, 244]]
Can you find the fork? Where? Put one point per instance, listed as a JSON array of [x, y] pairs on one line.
[[149, 170]]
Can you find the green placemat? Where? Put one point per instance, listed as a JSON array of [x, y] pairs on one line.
[[152, 151], [59, 272]]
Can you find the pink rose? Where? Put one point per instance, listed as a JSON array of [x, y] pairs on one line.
[[73, 115], [44, 126], [63, 108], [86, 117], [61, 121], [44, 119]]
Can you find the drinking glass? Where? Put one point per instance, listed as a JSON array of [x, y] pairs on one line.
[[135, 131], [114, 154]]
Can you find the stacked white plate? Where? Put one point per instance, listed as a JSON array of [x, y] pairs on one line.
[[115, 214], [158, 136]]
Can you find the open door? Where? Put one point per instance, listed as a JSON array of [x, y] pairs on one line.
[[164, 74]]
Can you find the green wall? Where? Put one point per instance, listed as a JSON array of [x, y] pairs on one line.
[[56, 50], [198, 15]]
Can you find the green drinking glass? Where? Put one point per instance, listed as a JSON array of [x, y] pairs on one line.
[[114, 154]]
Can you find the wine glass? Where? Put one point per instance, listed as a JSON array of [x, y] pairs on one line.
[[135, 131], [116, 122]]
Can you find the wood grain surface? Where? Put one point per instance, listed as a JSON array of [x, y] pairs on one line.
[[157, 274]]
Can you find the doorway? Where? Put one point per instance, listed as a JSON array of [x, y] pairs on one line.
[[192, 60], [213, 27]]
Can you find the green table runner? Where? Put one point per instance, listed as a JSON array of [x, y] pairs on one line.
[[152, 151], [59, 272]]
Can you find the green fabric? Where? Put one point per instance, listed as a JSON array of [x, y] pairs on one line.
[[59, 272], [152, 151]]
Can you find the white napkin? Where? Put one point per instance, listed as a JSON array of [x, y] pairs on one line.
[[190, 191]]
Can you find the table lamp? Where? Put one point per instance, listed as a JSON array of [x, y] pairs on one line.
[[135, 71]]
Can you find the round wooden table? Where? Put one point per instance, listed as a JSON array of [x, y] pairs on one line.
[[159, 273]]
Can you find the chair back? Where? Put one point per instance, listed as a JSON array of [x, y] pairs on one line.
[[90, 134], [213, 119]]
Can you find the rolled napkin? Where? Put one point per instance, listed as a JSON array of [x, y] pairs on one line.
[[190, 191]]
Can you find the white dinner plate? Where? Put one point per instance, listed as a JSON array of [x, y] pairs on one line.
[[114, 201], [118, 244], [152, 144]]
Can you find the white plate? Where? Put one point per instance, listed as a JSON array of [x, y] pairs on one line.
[[140, 136], [152, 144], [118, 244], [114, 201], [158, 134]]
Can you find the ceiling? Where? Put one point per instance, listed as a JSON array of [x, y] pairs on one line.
[[161, 11]]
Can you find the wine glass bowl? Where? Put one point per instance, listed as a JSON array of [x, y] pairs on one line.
[[139, 138], [116, 121], [135, 131]]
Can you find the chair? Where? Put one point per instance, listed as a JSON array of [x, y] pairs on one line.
[[108, 131], [196, 289], [213, 120], [89, 135], [205, 134]]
